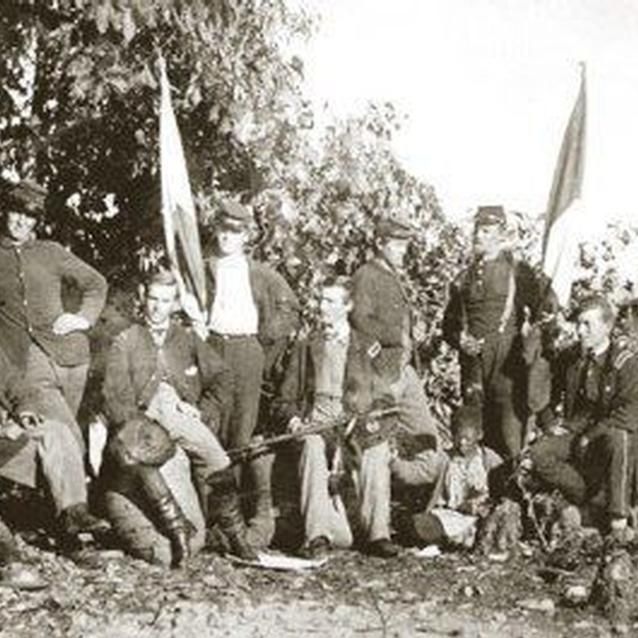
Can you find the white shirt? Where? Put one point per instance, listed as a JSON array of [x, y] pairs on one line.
[[234, 311]]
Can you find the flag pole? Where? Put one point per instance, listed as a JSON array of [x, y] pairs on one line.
[[566, 190], [178, 209]]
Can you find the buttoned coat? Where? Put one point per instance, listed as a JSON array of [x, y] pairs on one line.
[[31, 283], [379, 339], [133, 373]]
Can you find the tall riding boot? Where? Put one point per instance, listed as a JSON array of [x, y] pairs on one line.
[[261, 528], [226, 512], [170, 514]]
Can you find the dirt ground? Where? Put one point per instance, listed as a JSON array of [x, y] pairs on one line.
[[104, 594]]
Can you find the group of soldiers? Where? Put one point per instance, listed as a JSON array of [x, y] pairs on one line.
[[182, 397]]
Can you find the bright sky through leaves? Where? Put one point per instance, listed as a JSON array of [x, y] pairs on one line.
[[487, 86]]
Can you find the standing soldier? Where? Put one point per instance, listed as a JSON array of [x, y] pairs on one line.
[[483, 320], [37, 334], [253, 312], [379, 374]]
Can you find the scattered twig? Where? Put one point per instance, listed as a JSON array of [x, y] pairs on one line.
[[382, 616]]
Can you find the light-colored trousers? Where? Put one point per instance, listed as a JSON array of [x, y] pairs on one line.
[[140, 535], [58, 389], [61, 461], [325, 515], [184, 425]]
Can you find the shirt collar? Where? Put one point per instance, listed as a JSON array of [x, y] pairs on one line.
[[159, 332]]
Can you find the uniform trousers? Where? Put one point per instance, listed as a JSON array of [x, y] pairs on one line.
[[183, 424], [503, 382], [61, 462], [602, 469], [324, 514], [245, 358]]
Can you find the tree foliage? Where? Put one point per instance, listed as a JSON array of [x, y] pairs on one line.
[[79, 109], [80, 99]]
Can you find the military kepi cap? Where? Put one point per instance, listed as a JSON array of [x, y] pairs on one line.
[[490, 216], [233, 215], [392, 228], [26, 196]]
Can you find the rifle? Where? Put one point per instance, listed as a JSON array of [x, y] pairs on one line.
[[265, 446]]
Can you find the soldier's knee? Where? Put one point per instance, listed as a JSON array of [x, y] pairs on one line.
[[141, 440]]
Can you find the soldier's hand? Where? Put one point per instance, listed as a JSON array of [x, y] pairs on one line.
[[30, 419], [31, 422], [470, 345], [295, 425], [526, 327], [557, 429], [68, 322], [581, 447]]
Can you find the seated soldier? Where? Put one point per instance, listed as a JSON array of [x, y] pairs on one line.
[[27, 441], [164, 372], [313, 391], [463, 494], [587, 456]]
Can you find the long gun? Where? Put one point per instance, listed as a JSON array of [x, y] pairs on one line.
[[259, 448]]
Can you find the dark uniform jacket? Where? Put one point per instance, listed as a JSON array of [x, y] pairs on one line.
[[295, 394], [136, 366], [31, 279], [477, 299], [487, 301], [600, 393], [380, 321]]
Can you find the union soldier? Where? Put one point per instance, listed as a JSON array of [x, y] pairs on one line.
[[252, 315], [379, 373], [588, 457], [160, 371], [487, 306], [37, 334]]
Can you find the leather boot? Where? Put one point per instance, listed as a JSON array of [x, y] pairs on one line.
[[261, 528], [176, 526], [170, 514], [226, 512]]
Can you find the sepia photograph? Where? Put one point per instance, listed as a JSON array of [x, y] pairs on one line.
[[318, 318]]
